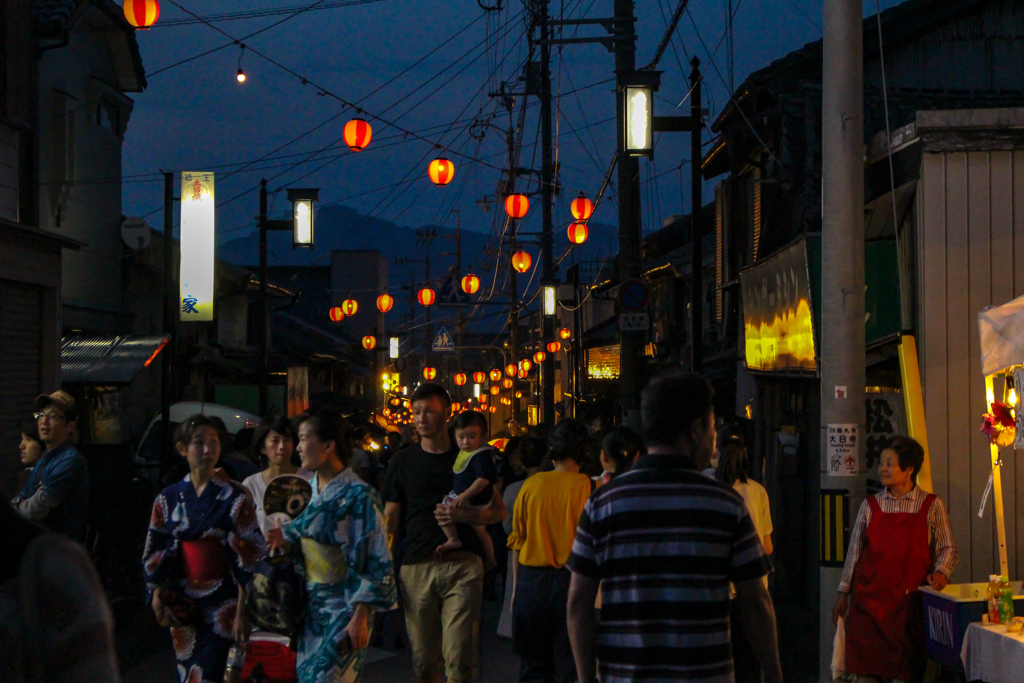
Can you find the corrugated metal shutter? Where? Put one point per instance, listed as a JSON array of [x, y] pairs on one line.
[[20, 369]]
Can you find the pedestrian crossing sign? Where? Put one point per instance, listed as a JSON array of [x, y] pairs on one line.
[[443, 342]]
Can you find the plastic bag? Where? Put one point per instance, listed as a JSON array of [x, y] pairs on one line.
[[839, 650]]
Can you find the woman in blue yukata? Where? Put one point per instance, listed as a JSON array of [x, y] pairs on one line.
[[202, 545], [344, 545]]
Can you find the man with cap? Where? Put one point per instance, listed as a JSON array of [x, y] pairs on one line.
[[56, 494]]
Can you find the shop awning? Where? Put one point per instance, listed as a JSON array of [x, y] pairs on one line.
[[1002, 336], [107, 360]]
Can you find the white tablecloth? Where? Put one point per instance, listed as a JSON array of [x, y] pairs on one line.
[[992, 655]]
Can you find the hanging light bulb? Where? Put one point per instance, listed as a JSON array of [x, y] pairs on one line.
[[240, 76]]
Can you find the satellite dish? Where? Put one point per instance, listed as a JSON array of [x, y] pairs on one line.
[[135, 232]]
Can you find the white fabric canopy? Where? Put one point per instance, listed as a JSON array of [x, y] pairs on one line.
[[1002, 336]]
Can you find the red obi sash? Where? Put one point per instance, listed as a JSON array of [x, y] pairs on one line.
[[204, 560]]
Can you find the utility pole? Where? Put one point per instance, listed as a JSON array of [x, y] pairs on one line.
[[170, 308], [547, 369], [696, 231], [264, 307], [631, 362], [842, 249], [461, 320]]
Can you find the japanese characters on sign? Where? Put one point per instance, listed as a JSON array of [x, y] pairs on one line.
[[842, 450], [197, 247]]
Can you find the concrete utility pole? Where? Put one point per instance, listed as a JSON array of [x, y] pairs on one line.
[[696, 230], [170, 309], [631, 343], [264, 326], [842, 253], [547, 369]]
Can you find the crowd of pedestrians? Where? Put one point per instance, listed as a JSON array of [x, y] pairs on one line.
[[626, 561]]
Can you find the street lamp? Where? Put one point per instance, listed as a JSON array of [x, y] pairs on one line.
[[638, 89], [549, 290], [302, 199], [301, 226]]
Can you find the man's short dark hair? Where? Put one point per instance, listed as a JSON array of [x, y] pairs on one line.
[[427, 391], [909, 453], [669, 405], [470, 418]]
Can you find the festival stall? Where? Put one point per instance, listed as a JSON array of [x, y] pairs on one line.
[[954, 617]]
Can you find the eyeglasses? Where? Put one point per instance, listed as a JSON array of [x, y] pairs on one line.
[[52, 417]]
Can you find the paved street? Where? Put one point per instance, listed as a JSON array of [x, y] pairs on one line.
[[154, 659]]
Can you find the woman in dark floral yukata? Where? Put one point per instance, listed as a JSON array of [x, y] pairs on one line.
[[202, 545]]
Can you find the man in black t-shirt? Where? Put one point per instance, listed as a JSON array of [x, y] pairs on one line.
[[441, 594]]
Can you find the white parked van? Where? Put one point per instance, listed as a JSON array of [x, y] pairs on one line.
[[154, 444]]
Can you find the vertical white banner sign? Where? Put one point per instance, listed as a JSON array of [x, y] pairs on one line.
[[197, 244]]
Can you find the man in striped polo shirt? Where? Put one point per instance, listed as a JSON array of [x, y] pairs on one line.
[[664, 542]]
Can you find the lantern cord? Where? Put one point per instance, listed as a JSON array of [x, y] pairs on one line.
[[326, 91]]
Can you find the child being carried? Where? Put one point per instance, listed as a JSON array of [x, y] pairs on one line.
[[474, 475]]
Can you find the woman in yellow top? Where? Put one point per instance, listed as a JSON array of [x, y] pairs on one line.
[[543, 530]]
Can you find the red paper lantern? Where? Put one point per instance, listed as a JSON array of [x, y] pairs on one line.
[[523, 374], [396, 401], [470, 284], [519, 394], [460, 378], [357, 134], [521, 261], [141, 13], [582, 208], [384, 302], [479, 377], [506, 383], [349, 306], [495, 375], [369, 342], [495, 389], [564, 332], [429, 374], [482, 398], [554, 347], [516, 205], [539, 357], [441, 171], [525, 365], [578, 232], [493, 409], [510, 370], [426, 296], [337, 315]]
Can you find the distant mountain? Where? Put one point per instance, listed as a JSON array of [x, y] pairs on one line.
[[343, 227]]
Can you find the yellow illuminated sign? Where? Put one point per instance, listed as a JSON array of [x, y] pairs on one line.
[[778, 329], [785, 342], [603, 362], [195, 302]]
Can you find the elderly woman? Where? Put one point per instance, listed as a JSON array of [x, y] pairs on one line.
[[902, 540], [202, 545], [344, 546]]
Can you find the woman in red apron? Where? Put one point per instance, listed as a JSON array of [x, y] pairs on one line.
[[901, 541]]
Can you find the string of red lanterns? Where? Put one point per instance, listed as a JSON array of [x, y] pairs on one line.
[[426, 296], [357, 134], [141, 13], [582, 208], [516, 205], [521, 261], [470, 284], [578, 232], [441, 171]]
